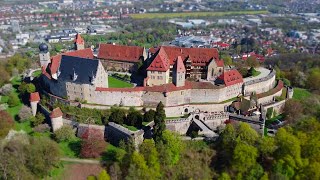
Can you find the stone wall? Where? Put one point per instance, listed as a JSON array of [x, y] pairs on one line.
[[269, 99], [277, 106], [179, 126], [260, 85]]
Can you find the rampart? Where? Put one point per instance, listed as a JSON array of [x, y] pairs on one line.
[[261, 85]]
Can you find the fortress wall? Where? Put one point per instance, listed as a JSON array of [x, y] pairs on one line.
[[176, 98], [269, 99], [207, 95], [261, 85], [179, 126], [132, 98], [214, 124], [277, 106], [153, 98], [175, 111]]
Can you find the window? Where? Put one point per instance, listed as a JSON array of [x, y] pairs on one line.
[[159, 72]]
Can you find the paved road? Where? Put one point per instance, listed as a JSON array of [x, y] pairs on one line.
[[84, 161], [264, 73]]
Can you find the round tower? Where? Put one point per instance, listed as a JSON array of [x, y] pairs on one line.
[[56, 119], [34, 100], [44, 55], [289, 92]]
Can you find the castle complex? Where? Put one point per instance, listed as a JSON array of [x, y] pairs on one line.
[[184, 79]]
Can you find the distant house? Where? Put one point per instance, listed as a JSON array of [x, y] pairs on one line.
[[121, 58]]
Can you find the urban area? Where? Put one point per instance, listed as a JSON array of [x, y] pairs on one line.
[[159, 89]]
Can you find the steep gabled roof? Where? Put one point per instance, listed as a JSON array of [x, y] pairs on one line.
[[56, 113], [34, 97], [179, 65], [55, 60], [77, 70], [160, 62], [198, 56], [78, 39], [231, 77], [120, 53]]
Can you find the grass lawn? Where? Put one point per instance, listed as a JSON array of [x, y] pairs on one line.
[[71, 148], [299, 93], [131, 128], [13, 111], [25, 126], [36, 73], [256, 73], [193, 14], [116, 83]]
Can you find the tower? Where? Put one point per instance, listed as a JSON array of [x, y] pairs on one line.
[[179, 73], [34, 100], [44, 55], [56, 119], [78, 42]]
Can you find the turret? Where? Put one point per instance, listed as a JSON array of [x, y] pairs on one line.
[[179, 73], [56, 119], [44, 55], [34, 100], [78, 42], [289, 92]]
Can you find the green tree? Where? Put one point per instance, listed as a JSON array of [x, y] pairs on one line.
[[4, 75], [39, 119], [149, 115], [246, 134], [65, 133], [313, 80], [227, 60], [138, 167], [244, 157], [252, 62], [159, 124], [13, 100], [103, 175], [118, 115], [134, 118], [170, 148], [266, 146], [224, 176], [43, 154], [150, 154]]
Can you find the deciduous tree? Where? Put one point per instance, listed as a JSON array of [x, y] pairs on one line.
[[6, 123], [159, 124]]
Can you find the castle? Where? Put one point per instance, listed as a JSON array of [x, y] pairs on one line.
[[184, 79]]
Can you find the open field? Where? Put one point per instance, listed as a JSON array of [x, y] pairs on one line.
[[193, 14], [299, 93], [116, 83]]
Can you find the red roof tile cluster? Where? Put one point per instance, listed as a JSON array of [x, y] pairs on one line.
[[120, 53], [34, 97], [198, 56], [55, 60], [253, 54], [163, 88], [56, 113], [231, 77], [78, 39], [160, 62]]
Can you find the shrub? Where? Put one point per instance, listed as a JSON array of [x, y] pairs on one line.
[[24, 113], [6, 123], [42, 128], [39, 119], [65, 133], [93, 144], [6, 89], [13, 100]]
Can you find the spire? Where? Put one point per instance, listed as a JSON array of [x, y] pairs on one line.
[[78, 39]]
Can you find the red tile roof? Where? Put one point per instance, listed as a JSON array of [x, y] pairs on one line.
[[120, 53], [160, 62], [56, 113], [231, 77], [34, 97], [78, 39], [180, 65], [55, 60], [198, 56]]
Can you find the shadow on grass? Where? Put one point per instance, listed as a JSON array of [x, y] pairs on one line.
[[75, 146]]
